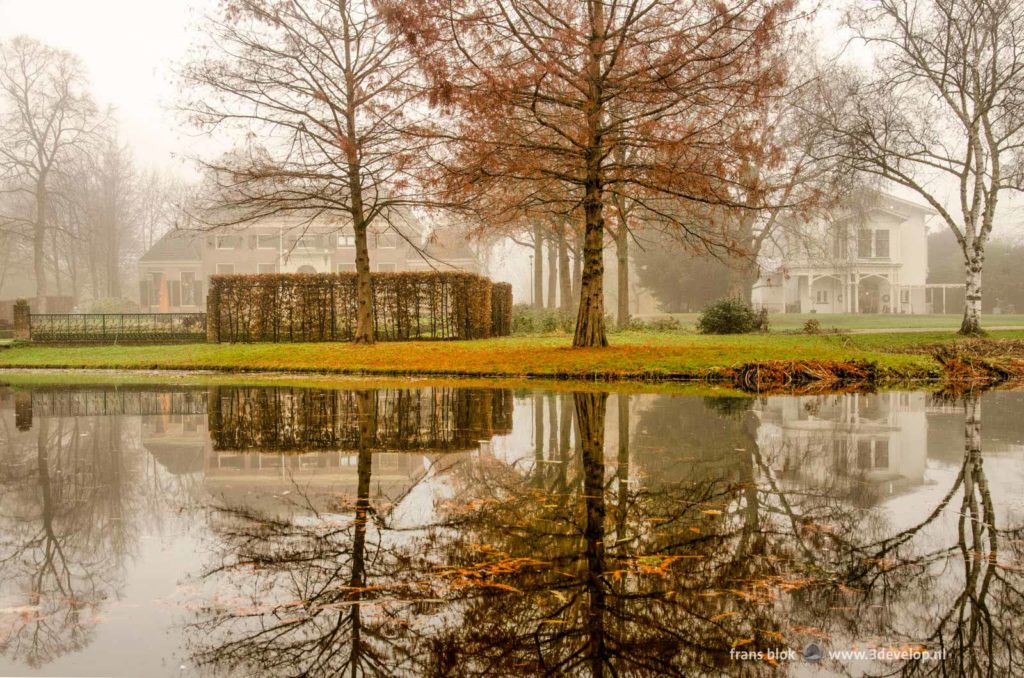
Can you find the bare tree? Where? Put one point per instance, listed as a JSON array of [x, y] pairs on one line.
[[45, 117], [321, 88], [941, 113]]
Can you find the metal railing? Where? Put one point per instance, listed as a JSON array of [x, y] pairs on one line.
[[117, 327]]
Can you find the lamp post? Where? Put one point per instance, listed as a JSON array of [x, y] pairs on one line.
[[531, 280]]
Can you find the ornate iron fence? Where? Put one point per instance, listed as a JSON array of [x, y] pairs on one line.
[[117, 327]]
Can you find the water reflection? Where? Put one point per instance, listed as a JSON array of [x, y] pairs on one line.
[[461, 531]]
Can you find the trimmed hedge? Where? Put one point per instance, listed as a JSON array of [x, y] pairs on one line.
[[322, 307]]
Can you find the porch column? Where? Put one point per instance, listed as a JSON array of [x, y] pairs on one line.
[[856, 293]]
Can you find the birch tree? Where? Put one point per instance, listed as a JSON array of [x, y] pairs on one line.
[[941, 114]]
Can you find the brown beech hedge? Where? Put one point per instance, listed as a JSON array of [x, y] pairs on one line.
[[322, 307]]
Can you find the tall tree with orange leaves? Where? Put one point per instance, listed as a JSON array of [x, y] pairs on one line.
[[541, 91]]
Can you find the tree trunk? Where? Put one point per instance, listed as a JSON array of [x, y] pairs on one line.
[[552, 274], [971, 325], [364, 285], [742, 276], [564, 276], [538, 267], [590, 330], [38, 246], [622, 262], [577, 270]]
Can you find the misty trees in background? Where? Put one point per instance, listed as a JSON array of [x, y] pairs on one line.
[[942, 111], [533, 85], [322, 89], [46, 118]]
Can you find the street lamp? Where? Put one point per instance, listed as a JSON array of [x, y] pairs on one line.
[[531, 280]]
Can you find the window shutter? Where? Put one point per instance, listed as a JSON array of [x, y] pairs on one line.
[[144, 293]]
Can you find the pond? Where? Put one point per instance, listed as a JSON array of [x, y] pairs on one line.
[[224, 530]]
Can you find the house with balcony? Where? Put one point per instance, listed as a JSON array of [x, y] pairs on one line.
[[174, 273], [868, 257]]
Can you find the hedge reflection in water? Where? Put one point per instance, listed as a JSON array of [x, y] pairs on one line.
[[569, 564]]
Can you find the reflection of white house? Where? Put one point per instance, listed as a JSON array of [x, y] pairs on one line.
[[864, 446], [868, 259]]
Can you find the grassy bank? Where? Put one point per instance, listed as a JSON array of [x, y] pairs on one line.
[[854, 322], [633, 355]]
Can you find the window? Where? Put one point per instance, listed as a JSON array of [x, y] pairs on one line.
[[386, 241], [156, 278], [266, 268], [386, 268], [307, 242], [821, 297], [904, 296], [346, 240], [881, 454], [346, 268], [225, 269], [864, 244], [864, 454], [189, 289], [839, 242], [227, 242], [174, 293], [882, 243], [267, 242]]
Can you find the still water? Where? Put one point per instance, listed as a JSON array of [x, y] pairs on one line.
[[222, 530]]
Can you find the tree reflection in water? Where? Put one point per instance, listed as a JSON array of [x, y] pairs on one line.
[[66, 496], [652, 552]]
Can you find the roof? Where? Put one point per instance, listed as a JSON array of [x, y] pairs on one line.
[[174, 246], [448, 246]]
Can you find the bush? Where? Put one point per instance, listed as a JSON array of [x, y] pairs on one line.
[[322, 306], [529, 320], [812, 326], [111, 305], [664, 324], [731, 316]]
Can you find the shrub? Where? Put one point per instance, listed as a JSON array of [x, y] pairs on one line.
[[111, 305], [529, 320], [812, 326], [661, 324], [732, 316]]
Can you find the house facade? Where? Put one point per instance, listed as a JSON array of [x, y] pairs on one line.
[[872, 258], [174, 274]]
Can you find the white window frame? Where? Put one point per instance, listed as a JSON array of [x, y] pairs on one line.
[[346, 268], [221, 238], [220, 272], [346, 240], [821, 296], [393, 267], [260, 267]]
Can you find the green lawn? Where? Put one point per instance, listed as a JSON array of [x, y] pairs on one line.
[[631, 355], [782, 322]]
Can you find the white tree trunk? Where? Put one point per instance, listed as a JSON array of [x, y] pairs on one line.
[[971, 324]]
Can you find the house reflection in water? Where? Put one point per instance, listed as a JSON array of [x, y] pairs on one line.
[[255, 444], [864, 447]]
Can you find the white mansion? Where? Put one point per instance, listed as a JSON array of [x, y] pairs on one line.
[[869, 259]]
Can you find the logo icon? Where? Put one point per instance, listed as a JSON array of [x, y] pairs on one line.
[[813, 653]]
